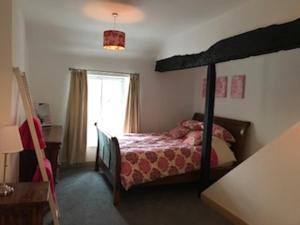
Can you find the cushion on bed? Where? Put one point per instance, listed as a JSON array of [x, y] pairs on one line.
[[192, 124], [178, 132], [194, 137], [221, 132], [225, 155]]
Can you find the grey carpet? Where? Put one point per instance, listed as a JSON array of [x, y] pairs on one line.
[[85, 199]]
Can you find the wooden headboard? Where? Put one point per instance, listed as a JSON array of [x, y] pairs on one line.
[[237, 128]]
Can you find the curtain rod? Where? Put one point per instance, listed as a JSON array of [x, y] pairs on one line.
[[100, 71]]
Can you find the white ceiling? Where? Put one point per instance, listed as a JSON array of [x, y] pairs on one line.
[[63, 25]]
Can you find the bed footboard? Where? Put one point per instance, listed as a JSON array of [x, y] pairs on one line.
[[108, 159]]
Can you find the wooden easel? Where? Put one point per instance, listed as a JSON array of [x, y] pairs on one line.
[[29, 111]]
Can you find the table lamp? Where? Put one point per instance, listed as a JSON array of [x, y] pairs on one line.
[[10, 142]]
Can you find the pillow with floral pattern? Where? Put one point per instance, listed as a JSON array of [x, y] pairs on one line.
[[178, 132], [222, 133], [192, 124], [194, 137]]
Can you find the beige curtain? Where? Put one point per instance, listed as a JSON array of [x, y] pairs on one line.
[[131, 124], [76, 122]]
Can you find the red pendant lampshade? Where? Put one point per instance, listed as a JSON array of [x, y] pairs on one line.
[[114, 39]]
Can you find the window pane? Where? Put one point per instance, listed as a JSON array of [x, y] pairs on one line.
[[107, 98], [114, 103]]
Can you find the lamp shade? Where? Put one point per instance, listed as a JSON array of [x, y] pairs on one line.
[[114, 40], [10, 141]]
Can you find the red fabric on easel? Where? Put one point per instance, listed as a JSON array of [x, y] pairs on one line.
[[38, 176], [26, 136]]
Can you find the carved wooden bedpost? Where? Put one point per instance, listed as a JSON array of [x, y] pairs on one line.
[[208, 123]]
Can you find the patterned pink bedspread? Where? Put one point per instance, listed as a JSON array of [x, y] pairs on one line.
[[147, 157]]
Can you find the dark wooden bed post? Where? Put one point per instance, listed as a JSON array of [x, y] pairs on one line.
[[208, 123], [98, 151]]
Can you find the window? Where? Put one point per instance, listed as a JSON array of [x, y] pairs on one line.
[[107, 98]]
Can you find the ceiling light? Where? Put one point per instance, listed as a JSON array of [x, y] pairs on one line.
[[114, 39], [101, 11]]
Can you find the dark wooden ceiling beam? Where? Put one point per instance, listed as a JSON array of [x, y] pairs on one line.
[[261, 41]]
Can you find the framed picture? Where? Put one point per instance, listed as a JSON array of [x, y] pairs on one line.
[[238, 83], [221, 87]]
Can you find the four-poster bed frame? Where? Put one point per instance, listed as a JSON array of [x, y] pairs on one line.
[[108, 157], [253, 43]]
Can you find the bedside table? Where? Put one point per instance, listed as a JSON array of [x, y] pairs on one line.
[[26, 205]]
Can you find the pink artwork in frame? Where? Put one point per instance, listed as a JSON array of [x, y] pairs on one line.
[[238, 83], [221, 87]]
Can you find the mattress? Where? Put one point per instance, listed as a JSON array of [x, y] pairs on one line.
[[151, 156]]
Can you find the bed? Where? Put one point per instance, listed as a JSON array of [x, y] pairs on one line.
[[139, 160]]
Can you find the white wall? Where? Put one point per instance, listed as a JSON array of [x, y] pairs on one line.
[[19, 57], [272, 81], [5, 61], [161, 104], [12, 45], [5, 68], [19, 46]]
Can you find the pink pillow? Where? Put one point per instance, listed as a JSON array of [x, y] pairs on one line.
[[221, 132], [194, 137], [178, 132], [192, 124]]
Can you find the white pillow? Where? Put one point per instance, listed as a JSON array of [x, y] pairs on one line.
[[225, 155]]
